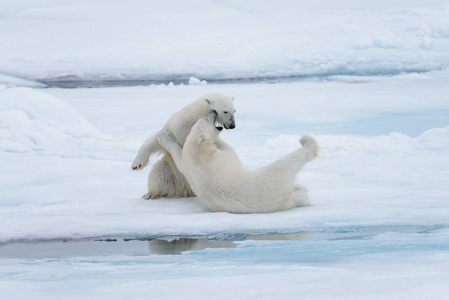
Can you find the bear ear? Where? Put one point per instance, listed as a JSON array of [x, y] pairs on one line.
[[208, 101], [201, 138]]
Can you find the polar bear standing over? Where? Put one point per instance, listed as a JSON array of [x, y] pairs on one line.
[[164, 179], [218, 178]]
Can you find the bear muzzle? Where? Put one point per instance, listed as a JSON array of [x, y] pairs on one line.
[[230, 126]]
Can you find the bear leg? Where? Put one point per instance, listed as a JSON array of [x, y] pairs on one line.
[[164, 180], [151, 146]]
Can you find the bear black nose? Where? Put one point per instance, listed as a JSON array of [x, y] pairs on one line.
[[232, 126]]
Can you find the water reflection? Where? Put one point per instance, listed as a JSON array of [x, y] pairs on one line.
[[179, 245], [138, 246], [131, 246]]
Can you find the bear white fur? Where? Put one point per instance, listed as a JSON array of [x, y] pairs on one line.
[[217, 177], [164, 179]]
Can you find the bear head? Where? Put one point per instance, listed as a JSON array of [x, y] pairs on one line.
[[206, 128], [224, 107]]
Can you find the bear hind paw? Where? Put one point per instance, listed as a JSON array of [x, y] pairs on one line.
[[308, 141]]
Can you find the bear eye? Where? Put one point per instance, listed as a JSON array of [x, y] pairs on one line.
[[225, 112]]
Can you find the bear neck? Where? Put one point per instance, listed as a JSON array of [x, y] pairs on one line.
[[200, 109]]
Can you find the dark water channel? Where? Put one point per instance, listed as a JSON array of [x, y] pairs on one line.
[[364, 237]]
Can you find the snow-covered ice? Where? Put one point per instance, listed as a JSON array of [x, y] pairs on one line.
[[64, 148], [374, 91], [62, 40], [66, 174]]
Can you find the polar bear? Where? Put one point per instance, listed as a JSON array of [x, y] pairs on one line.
[[217, 177], [164, 179]]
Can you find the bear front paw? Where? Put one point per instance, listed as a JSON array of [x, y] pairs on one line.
[[164, 138], [140, 162]]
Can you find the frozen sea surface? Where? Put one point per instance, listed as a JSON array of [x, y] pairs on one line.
[[377, 226], [61, 41], [67, 156], [369, 79]]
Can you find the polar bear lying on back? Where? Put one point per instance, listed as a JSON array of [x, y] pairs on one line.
[[164, 179], [219, 180]]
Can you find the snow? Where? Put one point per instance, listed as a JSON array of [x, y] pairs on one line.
[[196, 81], [114, 40], [59, 143], [11, 81], [33, 121], [73, 180], [369, 80]]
